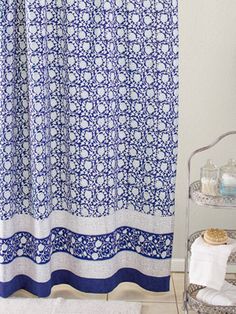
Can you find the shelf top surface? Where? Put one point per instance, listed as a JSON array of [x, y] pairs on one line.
[[201, 199]]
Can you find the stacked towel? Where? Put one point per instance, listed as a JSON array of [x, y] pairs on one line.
[[208, 263], [225, 297]]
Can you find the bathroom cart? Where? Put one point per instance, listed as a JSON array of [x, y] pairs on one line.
[[195, 195]]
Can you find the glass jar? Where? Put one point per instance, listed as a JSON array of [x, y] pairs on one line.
[[228, 179], [209, 179]]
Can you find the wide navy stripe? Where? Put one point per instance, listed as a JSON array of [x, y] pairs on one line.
[[89, 285]]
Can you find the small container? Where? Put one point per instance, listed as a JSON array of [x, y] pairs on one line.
[[228, 179], [209, 179]]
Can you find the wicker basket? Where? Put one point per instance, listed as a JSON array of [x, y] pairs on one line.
[[200, 307]]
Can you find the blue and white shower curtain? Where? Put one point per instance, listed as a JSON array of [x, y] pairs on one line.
[[88, 143]]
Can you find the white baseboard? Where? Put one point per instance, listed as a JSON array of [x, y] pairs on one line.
[[177, 265]]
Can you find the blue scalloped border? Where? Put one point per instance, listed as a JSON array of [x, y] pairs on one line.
[[89, 285], [85, 247]]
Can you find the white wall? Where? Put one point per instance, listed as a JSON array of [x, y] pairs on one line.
[[207, 101]]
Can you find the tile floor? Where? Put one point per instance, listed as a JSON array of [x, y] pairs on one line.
[[153, 303]]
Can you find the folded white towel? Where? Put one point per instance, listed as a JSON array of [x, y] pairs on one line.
[[208, 263], [225, 297]]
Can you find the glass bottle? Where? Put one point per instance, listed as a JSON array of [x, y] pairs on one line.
[[209, 179], [228, 179]]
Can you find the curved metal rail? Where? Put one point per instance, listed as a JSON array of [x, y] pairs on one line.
[[202, 149]]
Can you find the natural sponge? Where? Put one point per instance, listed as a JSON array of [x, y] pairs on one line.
[[215, 236]]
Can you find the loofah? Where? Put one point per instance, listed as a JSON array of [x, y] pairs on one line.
[[215, 236]]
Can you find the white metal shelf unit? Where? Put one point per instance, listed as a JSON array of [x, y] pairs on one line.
[[194, 194]]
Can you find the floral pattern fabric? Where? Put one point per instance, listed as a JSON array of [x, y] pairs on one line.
[[88, 121]]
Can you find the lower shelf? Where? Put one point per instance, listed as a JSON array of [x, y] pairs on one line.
[[231, 234], [201, 307]]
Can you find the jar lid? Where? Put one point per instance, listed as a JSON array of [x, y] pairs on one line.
[[209, 165], [230, 166]]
